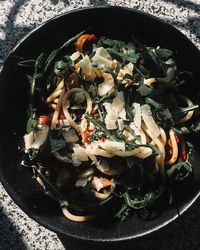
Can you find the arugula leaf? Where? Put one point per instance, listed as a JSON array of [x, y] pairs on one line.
[[139, 202], [56, 52], [101, 127], [161, 112], [26, 63], [124, 57], [32, 122], [61, 66], [144, 90], [48, 186], [123, 213], [164, 53], [180, 171]]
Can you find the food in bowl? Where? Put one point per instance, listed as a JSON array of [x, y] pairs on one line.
[[106, 124]]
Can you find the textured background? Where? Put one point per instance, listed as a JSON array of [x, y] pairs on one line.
[[17, 18]]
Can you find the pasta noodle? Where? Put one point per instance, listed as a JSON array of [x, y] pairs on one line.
[[57, 110], [65, 109], [76, 218], [174, 146]]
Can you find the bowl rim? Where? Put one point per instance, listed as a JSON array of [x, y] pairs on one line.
[[6, 185]]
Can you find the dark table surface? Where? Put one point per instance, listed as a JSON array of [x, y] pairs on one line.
[[17, 230]]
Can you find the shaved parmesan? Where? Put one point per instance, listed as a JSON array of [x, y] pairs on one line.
[[134, 128], [122, 114], [106, 87], [102, 56], [28, 140], [120, 123], [137, 115], [114, 111], [91, 126], [108, 106], [80, 153], [103, 52], [149, 121], [110, 119], [111, 124], [149, 82], [118, 102], [103, 60], [75, 56], [128, 135], [129, 68], [136, 131], [87, 68], [41, 138]]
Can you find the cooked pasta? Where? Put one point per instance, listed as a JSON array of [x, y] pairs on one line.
[[108, 127]]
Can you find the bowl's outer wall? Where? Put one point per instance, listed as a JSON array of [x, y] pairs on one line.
[[119, 23]]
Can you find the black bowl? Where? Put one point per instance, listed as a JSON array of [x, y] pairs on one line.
[[115, 22]]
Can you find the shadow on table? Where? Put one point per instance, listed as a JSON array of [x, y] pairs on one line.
[[184, 3], [9, 236], [182, 234], [13, 33]]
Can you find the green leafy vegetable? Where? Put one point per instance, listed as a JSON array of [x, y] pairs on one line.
[[137, 75], [180, 171]]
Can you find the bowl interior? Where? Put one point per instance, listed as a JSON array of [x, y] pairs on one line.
[[119, 23]]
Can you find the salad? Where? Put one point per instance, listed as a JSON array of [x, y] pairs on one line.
[[106, 124]]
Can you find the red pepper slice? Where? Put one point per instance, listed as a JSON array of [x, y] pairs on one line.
[[84, 40], [44, 119], [184, 155], [86, 136]]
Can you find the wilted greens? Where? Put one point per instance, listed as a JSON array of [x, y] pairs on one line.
[[106, 124]]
